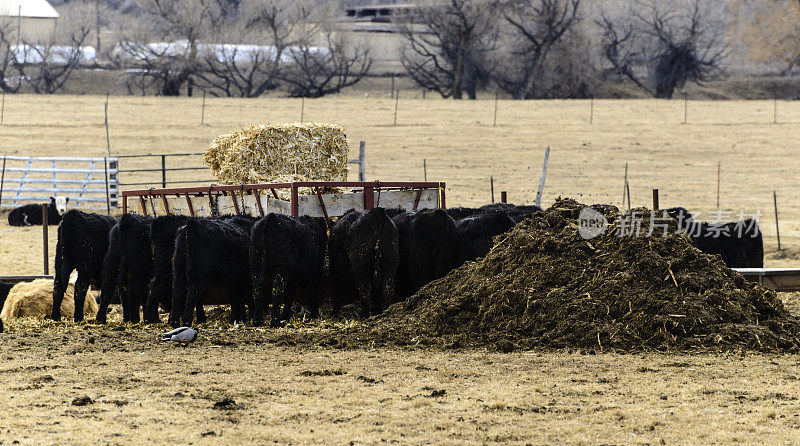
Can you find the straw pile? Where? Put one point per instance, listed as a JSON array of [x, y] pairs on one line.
[[279, 153]]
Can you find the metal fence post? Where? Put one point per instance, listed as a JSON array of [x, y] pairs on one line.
[[362, 156], [164, 171], [108, 198], [2, 179], [45, 247]]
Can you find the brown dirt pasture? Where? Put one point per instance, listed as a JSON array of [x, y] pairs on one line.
[[140, 390]]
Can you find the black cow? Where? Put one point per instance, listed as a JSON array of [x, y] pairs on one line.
[[428, 248], [288, 253], [476, 233], [163, 231], [517, 213], [82, 245], [364, 252], [109, 291], [740, 244], [31, 214], [211, 253], [5, 287], [135, 264]]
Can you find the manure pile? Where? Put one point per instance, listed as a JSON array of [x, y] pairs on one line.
[[543, 286]]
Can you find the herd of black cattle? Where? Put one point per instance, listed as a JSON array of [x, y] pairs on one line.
[[373, 258]]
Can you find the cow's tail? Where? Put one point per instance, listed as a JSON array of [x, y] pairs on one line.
[[63, 262], [378, 273], [445, 255]]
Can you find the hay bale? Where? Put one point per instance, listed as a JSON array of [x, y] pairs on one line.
[[35, 299], [279, 153]]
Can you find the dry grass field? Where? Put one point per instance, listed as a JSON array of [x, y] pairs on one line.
[[143, 391], [463, 149]]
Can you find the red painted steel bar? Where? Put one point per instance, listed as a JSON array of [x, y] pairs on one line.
[[297, 184], [191, 207], [416, 200], [369, 198], [324, 209], [258, 203], [235, 204], [295, 201], [369, 189]]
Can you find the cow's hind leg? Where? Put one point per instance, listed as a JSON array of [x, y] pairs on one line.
[[288, 298], [278, 293], [81, 287], [59, 288], [194, 297], [136, 297], [157, 291], [178, 297]]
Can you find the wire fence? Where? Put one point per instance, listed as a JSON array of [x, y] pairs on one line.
[[162, 169]]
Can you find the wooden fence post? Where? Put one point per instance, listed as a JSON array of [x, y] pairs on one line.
[[108, 136], [503, 197], [203, 112], [45, 247], [685, 107], [655, 200], [496, 99], [775, 109], [719, 179], [628, 189], [2, 179], [544, 176], [302, 108], [425, 169], [625, 184], [777, 226], [396, 102]]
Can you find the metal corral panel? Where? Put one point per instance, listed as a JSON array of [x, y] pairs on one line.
[[335, 204], [777, 279]]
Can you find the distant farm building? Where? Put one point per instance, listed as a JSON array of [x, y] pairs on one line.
[[31, 20], [377, 27]]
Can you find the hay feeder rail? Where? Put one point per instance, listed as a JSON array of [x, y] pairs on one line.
[[261, 199]]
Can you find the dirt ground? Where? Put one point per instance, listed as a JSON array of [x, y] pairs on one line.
[[142, 390]]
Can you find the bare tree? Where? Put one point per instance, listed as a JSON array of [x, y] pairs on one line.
[[673, 45], [536, 27], [46, 66], [251, 69], [447, 48], [317, 70], [10, 81], [178, 28]]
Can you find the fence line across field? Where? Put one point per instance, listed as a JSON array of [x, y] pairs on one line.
[[36, 179], [163, 169]]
